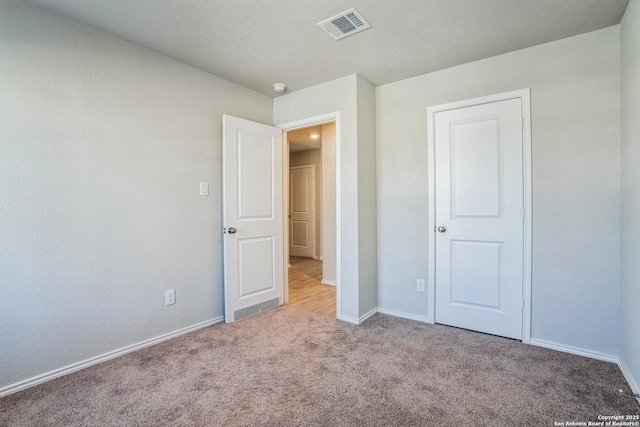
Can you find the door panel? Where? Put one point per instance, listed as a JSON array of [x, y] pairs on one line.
[[255, 259], [253, 219], [255, 176], [475, 262], [301, 211], [479, 200], [475, 164], [300, 234]]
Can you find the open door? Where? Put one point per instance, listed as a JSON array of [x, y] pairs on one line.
[[252, 217]]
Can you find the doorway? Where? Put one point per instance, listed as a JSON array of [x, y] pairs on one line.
[[480, 214], [311, 227]]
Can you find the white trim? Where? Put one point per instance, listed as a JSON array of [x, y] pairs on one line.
[[359, 320], [285, 216], [575, 350], [349, 319], [319, 258], [328, 282], [528, 214], [633, 385], [405, 315], [314, 121], [47, 376], [322, 119], [431, 216], [368, 314], [525, 96]]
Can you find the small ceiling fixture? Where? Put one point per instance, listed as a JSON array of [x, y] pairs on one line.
[[314, 136], [344, 24], [279, 87]]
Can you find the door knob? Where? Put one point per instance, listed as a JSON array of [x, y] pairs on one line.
[[232, 230], [441, 229]]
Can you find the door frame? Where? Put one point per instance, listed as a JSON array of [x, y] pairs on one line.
[[299, 124], [525, 98], [313, 205]]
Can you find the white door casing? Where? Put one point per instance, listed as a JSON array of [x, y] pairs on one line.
[[302, 225], [252, 217], [315, 121], [479, 263]]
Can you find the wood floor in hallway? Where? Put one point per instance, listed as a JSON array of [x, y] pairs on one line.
[[305, 290]]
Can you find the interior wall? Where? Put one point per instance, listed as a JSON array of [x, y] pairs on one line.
[[367, 218], [342, 95], [329, 204], [575, 104], [104, 145], [630, 297], [335, 96], [313, 157]]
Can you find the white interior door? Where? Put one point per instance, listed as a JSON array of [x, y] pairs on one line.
[[301, 211], [253, 221], [479, 217]]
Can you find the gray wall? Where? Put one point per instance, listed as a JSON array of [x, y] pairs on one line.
[[329, 204], [367, 219], [353, 98], [575, 101], [335, 96], [102, 148], [630, 46]]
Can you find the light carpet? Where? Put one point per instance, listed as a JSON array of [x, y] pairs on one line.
[[287, 367]]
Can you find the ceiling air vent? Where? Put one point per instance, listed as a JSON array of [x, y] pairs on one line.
[[344, 24]]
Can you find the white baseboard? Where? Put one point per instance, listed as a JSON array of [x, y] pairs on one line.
[[348, 319], [329, 282], [47, 376], [405, 315], [633, 385], [368, 314], [319, 258], [359, 320], [575, 350]]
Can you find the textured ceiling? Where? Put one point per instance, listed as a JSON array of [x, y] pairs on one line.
[[257, 42]]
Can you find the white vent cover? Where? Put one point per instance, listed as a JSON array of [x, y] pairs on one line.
[[344, 24]]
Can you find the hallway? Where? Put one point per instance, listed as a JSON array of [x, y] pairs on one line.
[[305, 290]]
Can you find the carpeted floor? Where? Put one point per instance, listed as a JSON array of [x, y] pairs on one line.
[[287, 367]]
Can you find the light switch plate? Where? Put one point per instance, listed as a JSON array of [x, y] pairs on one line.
[[170, 297], [204, 188]]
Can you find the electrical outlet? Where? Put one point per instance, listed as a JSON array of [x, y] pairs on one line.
[[170, 297], [420, 285]]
